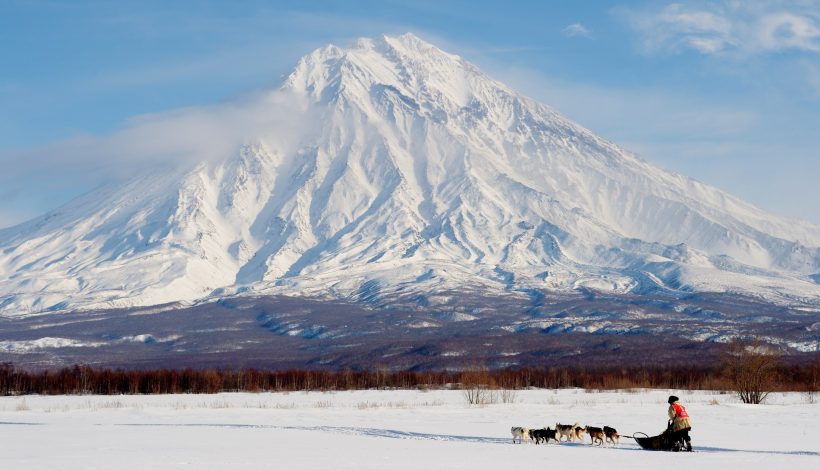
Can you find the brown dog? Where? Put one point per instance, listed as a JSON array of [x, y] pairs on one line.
[[612, 436], [579, 433], [596, 435]]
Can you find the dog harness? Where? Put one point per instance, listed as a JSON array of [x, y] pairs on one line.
[[680, 410]]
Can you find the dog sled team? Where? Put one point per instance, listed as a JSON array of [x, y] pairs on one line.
[[675, 438], [566, 433]]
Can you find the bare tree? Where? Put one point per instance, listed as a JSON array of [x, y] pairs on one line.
[[752, 366], [477, 386], [508, 395]]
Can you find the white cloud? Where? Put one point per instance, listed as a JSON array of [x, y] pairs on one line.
[[187, 134], [34, 180], [677, 27], [786, 31], [576, 30], [729, 26]]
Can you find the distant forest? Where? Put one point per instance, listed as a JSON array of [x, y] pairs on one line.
[[89, 380]]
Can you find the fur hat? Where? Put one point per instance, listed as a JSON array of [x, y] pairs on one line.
[[673, 399]]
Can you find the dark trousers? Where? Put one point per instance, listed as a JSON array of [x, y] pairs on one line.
[[683, 435]]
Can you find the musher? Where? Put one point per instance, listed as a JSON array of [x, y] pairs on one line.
[[679, 424]]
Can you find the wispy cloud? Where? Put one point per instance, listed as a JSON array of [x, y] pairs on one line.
[[170, 139], [576, 30], [675, 27], [785, 30], [729, 26]]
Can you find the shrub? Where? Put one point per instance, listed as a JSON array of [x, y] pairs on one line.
[[752, 368]]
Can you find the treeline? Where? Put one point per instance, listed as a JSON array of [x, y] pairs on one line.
[[89, 380]]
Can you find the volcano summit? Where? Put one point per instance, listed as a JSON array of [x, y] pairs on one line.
[[392, 173]]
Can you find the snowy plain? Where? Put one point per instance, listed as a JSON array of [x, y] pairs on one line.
[[394, 429]]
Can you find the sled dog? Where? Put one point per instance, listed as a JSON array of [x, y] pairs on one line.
[[595, 435], [566, 430], [579, 433], [544, 435], [612, 436], [520, 433]]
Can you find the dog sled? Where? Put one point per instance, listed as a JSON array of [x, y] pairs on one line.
[[662, 441]]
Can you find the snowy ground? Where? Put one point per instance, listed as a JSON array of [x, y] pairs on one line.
[[393, 430]]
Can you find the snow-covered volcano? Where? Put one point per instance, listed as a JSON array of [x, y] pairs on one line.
[[412, 173]]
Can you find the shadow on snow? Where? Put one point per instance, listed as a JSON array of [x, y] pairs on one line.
[[396, 434]]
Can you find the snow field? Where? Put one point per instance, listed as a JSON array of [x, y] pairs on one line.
[[392, 429]]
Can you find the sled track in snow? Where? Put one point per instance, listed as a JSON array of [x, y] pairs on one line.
[[397, 434], [347, 430]]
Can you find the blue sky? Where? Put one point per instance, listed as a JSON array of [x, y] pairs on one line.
[[727, 92]]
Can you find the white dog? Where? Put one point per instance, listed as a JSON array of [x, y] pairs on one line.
[[520, 433]]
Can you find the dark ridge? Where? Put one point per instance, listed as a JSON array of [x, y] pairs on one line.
[[89, 380], [529, 331]]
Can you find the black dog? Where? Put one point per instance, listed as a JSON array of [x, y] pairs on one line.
[[612, 435], [544, 435]]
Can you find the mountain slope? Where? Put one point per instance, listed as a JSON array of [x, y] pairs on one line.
[[415, 173]]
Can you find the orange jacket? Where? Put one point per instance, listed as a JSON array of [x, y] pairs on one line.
[[679, 416]]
